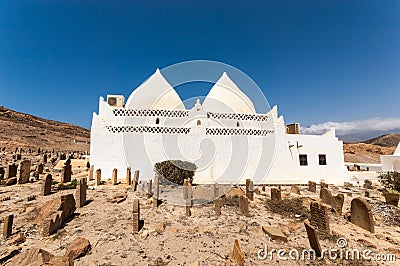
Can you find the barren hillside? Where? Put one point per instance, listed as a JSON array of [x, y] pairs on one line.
[[388, 140], [27, 131]]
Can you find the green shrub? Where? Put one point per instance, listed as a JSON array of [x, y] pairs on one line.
[[390, 180], [70, 185], [176, 171]]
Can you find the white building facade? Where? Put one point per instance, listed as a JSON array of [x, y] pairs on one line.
[[224, 136], [391, 163]]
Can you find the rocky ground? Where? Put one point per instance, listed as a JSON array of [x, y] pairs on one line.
[[169, 237]]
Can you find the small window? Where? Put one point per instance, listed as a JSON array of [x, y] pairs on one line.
[[198, 123], [237, 124], [303, 159], [322, 159], [157, 121]]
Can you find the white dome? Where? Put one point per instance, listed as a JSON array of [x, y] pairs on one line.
[[155, 93], [225, 96]]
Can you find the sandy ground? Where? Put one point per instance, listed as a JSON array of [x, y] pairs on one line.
[[168, 237]]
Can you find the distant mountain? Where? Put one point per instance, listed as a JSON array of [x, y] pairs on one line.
[[28, 131], [388, 140]]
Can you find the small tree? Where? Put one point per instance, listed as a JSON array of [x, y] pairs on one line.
[[390, 180], [176, 171]]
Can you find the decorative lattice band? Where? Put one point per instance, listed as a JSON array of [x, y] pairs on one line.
[[238, 131], [147, 129], [237, 116], [163, 113]]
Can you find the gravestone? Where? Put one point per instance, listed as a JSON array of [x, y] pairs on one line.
[[367, 184], [237, 254], [54, 213], [323, 185], [244, 205], [313, 238], [249, 189], [361, 214], [91, 170], [2, 173], [276, 194], [98, 177], [68, 170], [156, 191], [18, 156], [114, 176], [392, 198], [24, 169], [47, 185], [128, 176], [187, 196], [217, 207], [136, 215], [336, 202], [11, 171], [62, 156], [135, 180], [8, 223], [295, 189], [45, 158], [80, 193], [40, 168], [320, 218], [149, 188]]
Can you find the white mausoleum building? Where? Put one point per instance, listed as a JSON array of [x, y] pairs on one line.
[[223, 136]]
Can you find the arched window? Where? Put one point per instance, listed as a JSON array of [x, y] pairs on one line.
[[157, 121], [198, 123]]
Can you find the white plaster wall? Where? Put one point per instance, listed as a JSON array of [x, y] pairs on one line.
[[389, 163], [220, 158]]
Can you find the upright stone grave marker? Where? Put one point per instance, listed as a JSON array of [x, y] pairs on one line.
[[40, 168], [80, 193], [135, 180], [249, 189], [136, 215], [47, 185], [276, 194], [114, 176], [156, 191], [128, 176], [98, 177], [313, 238], [8, 223], [24, 169], [361, 214], [11, 170], [91, 171], [149, 188], [320, 218]]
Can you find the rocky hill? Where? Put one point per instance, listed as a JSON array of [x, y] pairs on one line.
[[369, 151], [388, 140], [28, 131]]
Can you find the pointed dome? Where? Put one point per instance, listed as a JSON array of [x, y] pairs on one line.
[[225, 96], [155, 93]]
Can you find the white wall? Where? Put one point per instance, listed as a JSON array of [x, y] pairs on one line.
[[221, 158]]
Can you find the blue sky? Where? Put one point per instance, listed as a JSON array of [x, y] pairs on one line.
[[319, 61]]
